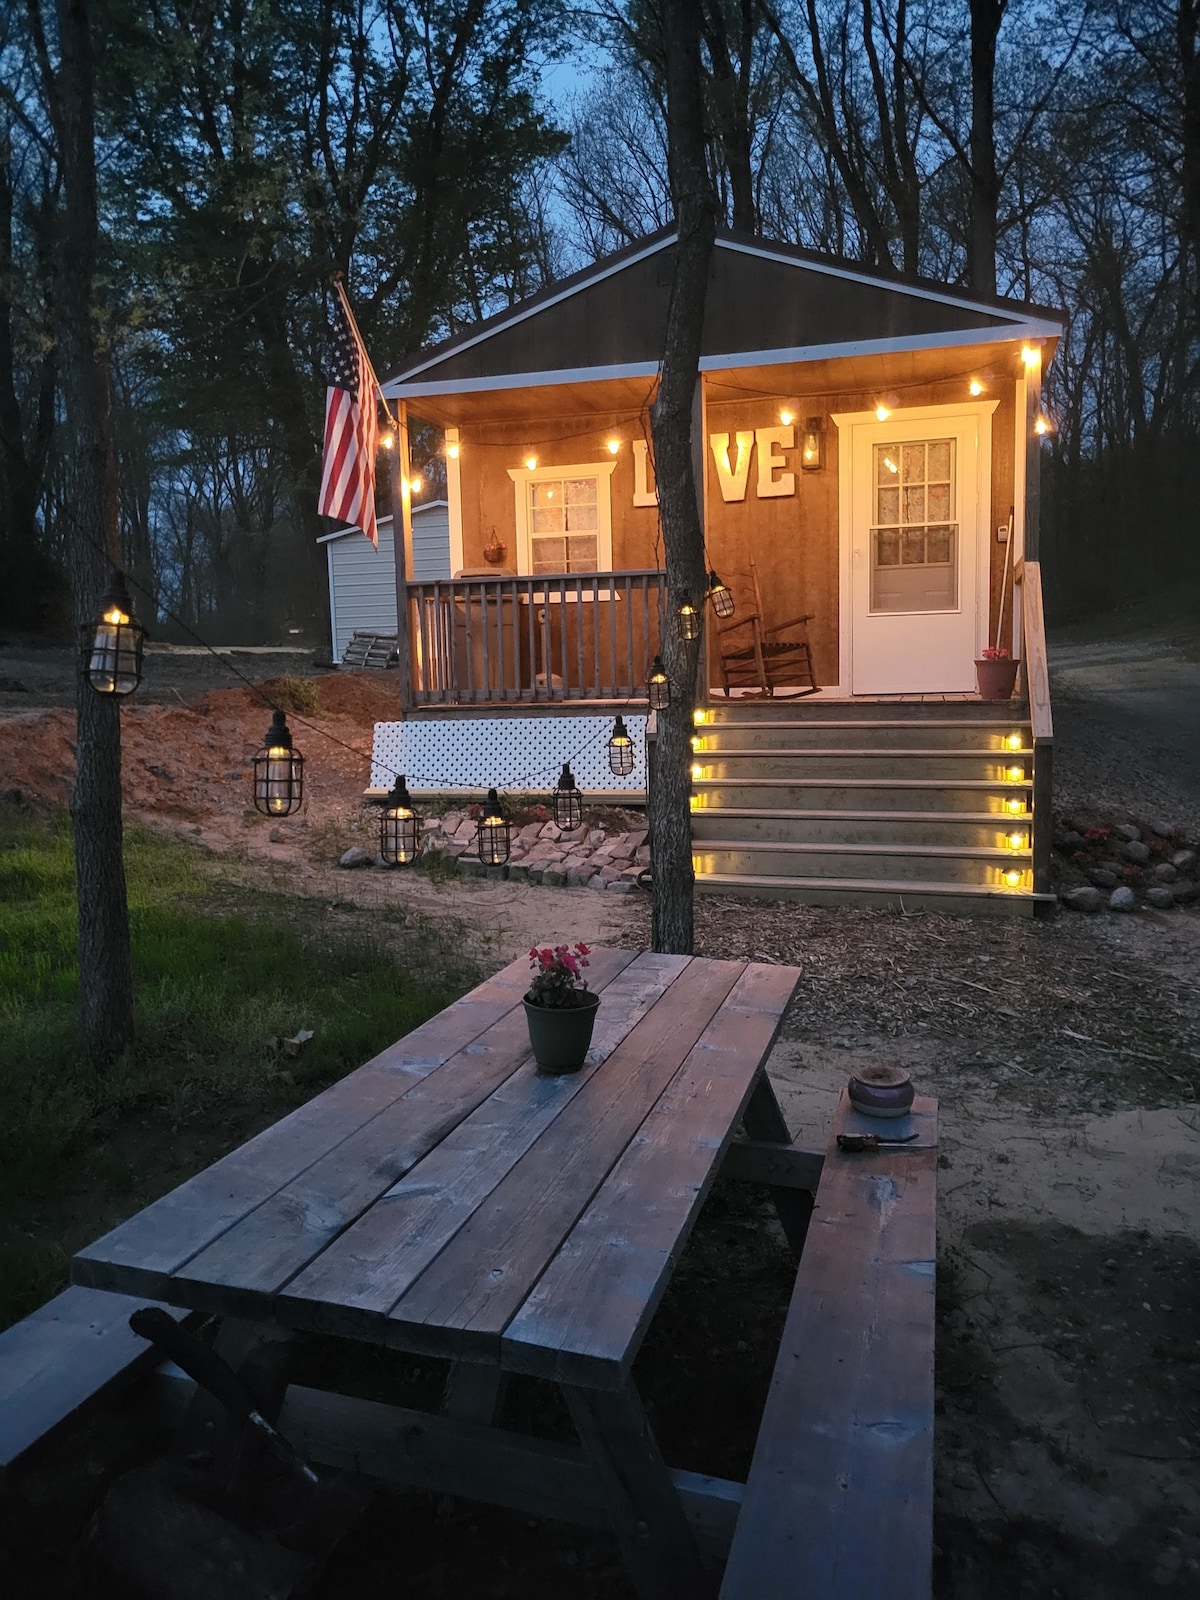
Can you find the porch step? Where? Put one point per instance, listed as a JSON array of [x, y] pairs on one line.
[[881, 894], [982, 867], [969, 709], [966, 829], [835, 793], [871, 734], [986, 766]]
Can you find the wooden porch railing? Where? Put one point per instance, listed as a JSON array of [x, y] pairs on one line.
[[576, 636], [1028, 579]]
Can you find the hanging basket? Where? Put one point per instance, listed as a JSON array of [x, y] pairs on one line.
[[560, 1035], [996, 679]]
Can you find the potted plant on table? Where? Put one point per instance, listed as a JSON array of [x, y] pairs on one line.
[[996, 674], [560, 1008]]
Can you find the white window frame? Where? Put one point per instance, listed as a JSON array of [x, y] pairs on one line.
[[602, 471]]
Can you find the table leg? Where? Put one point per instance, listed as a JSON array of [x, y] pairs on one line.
[[762, 1119], [643, 1504], [473, 1392]]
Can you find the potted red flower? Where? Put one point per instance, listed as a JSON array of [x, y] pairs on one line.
[[560, 1008], [996, 674]]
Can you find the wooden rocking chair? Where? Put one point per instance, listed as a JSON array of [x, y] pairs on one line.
[[772, 659]]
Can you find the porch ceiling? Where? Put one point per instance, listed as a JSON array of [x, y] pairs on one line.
[[603, 397], [870, 371]]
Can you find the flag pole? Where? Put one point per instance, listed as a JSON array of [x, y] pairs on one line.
[[401, 499]]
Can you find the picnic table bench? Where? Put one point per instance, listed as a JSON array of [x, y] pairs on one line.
[[445, 1199]]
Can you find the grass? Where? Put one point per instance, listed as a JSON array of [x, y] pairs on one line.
[[222, 979]]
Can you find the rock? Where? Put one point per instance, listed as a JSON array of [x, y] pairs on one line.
[[553, 878], [1083, 899], [530, 833], [497, 874], [1108, 865], [622, 886], [1164, 830], [1184, 860], [1127, 831], [1103, 879], [470, 867], [576, 835], [1066, 841], [1164, 872], [1185, 892], [1135, 850], [551, 831], [355, 857], [1122, 900], [517, 874], [638, 837], [580, 874], [1162, 899], [597, 882]]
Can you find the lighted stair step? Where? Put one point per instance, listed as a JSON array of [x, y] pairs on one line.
[[943, 863], [845, 794], [951, 899], [866, 735], [971, 829]]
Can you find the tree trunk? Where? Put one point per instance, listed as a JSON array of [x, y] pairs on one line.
[[105, 969], [986, 17], [671, 420]]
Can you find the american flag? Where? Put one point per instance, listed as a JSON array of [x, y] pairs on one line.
[[351, 429]]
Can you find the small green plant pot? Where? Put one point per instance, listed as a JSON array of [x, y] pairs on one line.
[[560, 1036]]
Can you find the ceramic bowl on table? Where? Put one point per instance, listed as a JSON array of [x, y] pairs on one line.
[[882, 1091]]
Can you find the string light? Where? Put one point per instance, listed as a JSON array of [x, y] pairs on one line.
[[493, 835], [620, 750], [1030, 354], [787, 418], [719, 595], [530, 463], [452, 451], [112, 642], [568, 802], [399, 827], [688, 619], [658, 689], [614, 447], [1042, 425], [886, 405], [278, 771]]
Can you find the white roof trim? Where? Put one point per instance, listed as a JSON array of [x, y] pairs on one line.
[[877, 281], [394, 389], [1031, 328], [340, 533]]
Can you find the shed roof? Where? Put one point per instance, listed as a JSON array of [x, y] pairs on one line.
[[340, 533], [768, 304]]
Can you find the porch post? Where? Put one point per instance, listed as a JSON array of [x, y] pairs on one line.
[[1033, 453], [400, 476], [699, 471]]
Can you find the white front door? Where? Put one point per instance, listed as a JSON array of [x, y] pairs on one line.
[[915, 500]]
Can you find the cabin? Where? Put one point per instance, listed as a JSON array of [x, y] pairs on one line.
[[868, 452]]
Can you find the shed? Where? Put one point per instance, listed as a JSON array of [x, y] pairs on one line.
[[362, 580]]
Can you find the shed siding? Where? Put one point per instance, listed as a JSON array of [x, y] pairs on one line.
[[362, 580]]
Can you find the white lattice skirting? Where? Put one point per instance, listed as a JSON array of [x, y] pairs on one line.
[[515, 753]]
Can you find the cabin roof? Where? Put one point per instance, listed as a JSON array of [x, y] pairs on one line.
[[768, 304]]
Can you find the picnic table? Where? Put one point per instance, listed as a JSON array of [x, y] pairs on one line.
[[447, 1200]]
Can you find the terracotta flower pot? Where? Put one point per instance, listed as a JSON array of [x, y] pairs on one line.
[[996, 679], [560, 1035]]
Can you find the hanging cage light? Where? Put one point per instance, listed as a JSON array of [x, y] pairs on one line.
[[812, 445], [112, 642], [493, 835], [720, 596], [568, 802], [688, 619], [658, 689], [399, 827], [620, 750], [278, 771]]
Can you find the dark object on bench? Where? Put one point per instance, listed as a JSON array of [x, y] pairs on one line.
[[839, 1501], [74, 1350], [371, 650]]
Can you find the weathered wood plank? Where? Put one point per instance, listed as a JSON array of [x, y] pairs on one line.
[[587, 1315], [644, 1509], [781, 1166], [139, 1256], [463, 1301], [75, 1349], [840, 1495], [354, 1283]]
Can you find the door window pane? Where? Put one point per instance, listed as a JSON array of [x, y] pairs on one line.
[[914, 544]]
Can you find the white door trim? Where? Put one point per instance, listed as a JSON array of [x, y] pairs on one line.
[[845, 422]]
